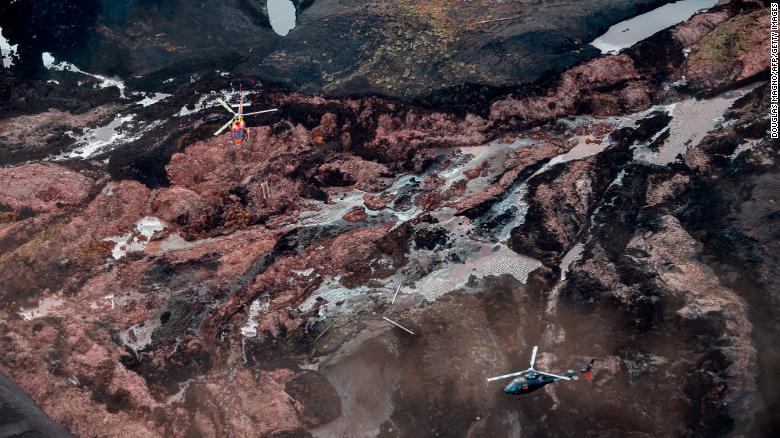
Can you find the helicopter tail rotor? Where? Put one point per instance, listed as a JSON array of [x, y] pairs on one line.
[[241, 100], [586, 371]]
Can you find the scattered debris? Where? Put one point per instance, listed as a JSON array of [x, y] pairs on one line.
[[397, 325], [396, 294], [323, 332], [266, 190], [497, 19]]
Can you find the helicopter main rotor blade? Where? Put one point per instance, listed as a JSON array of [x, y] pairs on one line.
[[224, 127], [227, 107], [553, 375], [241, 100], [506, 376], [533, 355], [261, 112]]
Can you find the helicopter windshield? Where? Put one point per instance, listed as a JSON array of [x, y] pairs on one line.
[[237, 132], [522, 380], [528, 378]]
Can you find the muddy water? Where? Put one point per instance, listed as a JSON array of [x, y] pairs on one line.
[[429, 273], [50, 63], [570, 257], [489, 157], [509, 212], [128, 242], [627, 33], [281, 13], [692, 119], [364, 373], [96, 139], [7, 51]]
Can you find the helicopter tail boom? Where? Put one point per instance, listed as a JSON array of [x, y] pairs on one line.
[[586, 373]]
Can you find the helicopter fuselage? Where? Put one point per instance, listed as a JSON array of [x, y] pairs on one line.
[[524, 385], [238, 131], [533, 381]]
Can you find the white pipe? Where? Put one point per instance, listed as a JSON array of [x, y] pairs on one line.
[[396, 294], [397, 325]]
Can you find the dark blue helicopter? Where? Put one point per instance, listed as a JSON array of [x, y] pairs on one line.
[[531, 379]]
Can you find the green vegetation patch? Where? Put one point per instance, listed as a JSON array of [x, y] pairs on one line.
[[728, 40]]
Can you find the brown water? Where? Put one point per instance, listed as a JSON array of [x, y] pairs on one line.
[[627, 33], [691, 120]]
